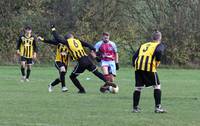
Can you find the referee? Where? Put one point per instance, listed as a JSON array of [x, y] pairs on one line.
[[146, 60]]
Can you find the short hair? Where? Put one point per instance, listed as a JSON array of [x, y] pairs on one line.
[[156, 35], [106, 33], [27, 28], [69, 35]]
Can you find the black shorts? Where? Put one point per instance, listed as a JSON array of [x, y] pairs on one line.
[[144, 78], [83, 64], [27, 60], [59, 64]]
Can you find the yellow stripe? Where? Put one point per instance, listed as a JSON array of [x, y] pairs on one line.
[[149, 63], [143, 63], [138, 66]]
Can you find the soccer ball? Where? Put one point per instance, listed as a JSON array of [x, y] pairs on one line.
[[109, 87], [113, 90]]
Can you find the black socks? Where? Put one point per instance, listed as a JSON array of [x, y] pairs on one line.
[[55, 82], [62, 78], [22, 71], [157, 97], [28, 71], [76, 82], [99, 75], [136, 98]]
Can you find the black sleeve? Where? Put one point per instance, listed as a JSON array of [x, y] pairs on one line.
[[135, 57], [159, 52], [19, 40], [85, 44], [58, 38], [53, 42], [35, 49]]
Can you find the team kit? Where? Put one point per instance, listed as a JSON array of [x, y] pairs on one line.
[[68, 48]]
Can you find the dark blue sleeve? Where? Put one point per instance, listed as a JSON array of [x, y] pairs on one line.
[[53, 42], [19, 40], [35, 45], [85, 44], [58, 38], [135, 57], [159, 52]]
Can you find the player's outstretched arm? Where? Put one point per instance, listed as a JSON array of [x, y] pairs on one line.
[[57, 37], [42, 39], [86, 44], [19, 40]]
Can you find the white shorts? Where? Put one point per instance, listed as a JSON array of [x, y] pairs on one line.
[[111, 66]]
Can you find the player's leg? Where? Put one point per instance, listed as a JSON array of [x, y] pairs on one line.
[[52, 84], [137, 92], [28, 70], [105, 70], [62, 71], [23, 66], [136, 99], [157, 94], [112, 70], [77, 70], [92, 68], [62, 78]]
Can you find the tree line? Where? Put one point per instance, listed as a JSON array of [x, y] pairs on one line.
[[130, 23]]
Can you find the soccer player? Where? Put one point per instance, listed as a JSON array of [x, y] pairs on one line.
[[146, 60], [27, 50], [78, 54], [61, 63], [108, 56]]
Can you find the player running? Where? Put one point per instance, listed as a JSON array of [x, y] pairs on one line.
[[146, 60], [78, 54], [61, 63], [27, 50], [108, 56]]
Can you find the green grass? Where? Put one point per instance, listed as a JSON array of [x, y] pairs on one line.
[[30, 104]]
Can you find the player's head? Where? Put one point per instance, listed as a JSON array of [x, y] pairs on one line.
[[105, 37], [156, 36], [28, 31], [68, 36]]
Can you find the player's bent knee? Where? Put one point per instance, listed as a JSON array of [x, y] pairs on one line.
[[23, 64], [62, 69], [29, 67], [138, 88], [72, 76], [157, 87]]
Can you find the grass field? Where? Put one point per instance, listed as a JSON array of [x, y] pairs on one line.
[[30, 104]]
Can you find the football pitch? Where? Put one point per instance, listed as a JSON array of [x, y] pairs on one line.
[[30, 104]]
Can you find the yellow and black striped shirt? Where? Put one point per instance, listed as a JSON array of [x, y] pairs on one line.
[[147, 57], [62, 54], [75, 48], [26, 46]]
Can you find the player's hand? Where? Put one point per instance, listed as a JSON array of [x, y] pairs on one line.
[[117, 66], [98, 59], [34, 56], [40, 38], [52, 26], [18, 53]]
